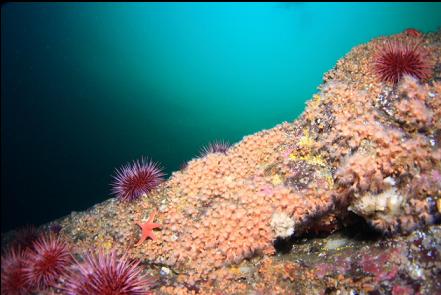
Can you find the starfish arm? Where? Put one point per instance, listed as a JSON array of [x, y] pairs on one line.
[[152, 216], [152, 236], [142, 239], [154, 225]]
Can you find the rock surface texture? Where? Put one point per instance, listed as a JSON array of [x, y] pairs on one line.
[[286, 210]]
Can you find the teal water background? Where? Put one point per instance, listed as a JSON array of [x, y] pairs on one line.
[[87, 87]]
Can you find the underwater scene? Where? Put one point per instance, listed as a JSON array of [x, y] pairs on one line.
[[220, 148]]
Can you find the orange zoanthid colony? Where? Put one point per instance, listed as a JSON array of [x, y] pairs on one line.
[[367, 146]]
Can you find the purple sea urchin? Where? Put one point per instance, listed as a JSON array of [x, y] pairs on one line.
[[55, 228], [106, 274], [133, 180], [46, 261], [217, 146], [396, 58]]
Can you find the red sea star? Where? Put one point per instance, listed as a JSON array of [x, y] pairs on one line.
[[147, 229]]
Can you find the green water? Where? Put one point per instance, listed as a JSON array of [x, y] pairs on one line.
[[88, 87]]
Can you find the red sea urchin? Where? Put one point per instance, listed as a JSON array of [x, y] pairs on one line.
[[13, 280], [25, 236], [133, 180], [46, 261], [414, 33], [217, 146], [396, 58], [106, 274]]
